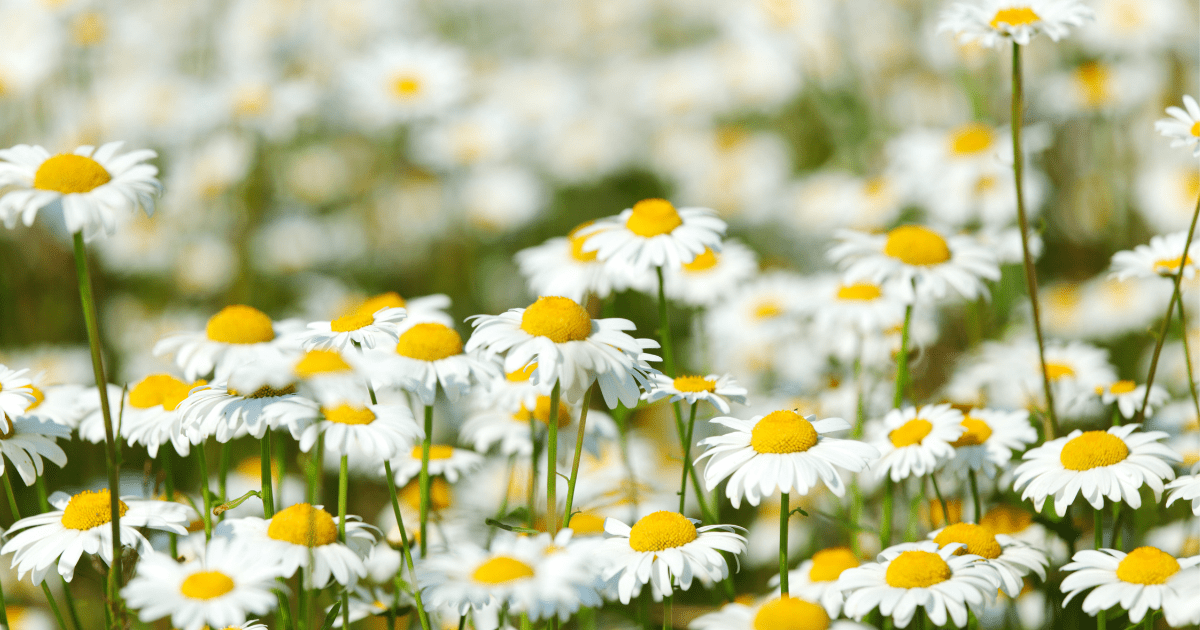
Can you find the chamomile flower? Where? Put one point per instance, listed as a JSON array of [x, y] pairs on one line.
[[993, 23], [1187, 488], [16, 392], [235, 336], [513, 391], [306, 536], [151, 413], [666, 549], [490, 425], [1128, 397], [1183, 128], [327, 376], [55, 403], [218, 589], [1162, 257], [717, 389], [569, 347], [377, 432], [403, 82], [428, 357], [653, 233], [918, 574], [772, 613], [711, 276], [1011, 559], [1144, 580], [781, 450], [915, 441], [816, 578], [444, 460], [220, 412], [26, 440], [368, 330], [1096, 464], [427, 308], [561, 267], [989, 440], [88, 186], [916, 258], [859, 308], [83, 524]]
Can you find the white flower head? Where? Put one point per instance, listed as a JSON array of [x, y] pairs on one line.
[[1183, 127], [560, 266], [653, 233], [151, 414], [992, 23], [374, 432], [235, 336], [368, 330], [428, 357], [1162, 257], [1011, 558], [990, 438], [306, 536], [717, 389], [915, 441], [1140, 581]]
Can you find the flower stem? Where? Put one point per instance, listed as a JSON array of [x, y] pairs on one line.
[[902, 360], [3, 607], [885, 528], [12, 498], [405, 549], [667, 614], [784, 513], [975, 495], [1187, 360], [942, 500], [687, 458], [62, 624], [205, 495], [583, 413], [225, 456], [268, 497], [664, 327], [552, 461], [1018, 97], [531, 489], [423, 480], [169, 490], [343, 487]]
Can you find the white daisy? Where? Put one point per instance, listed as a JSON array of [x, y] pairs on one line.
[[1186, 487], [989, 440], [1128, 397], [427, 356], [711, 276], [427, 308], [666, 549], [59, 404], [1011, 558], [915, 441], [24, 441], [859, 308], [1183, 128], [377, 432], [444, 460], [403, 82], [1096, 464], [489, 425], [235, 336], [16, 392], [368, 330], [781, 450], [513, 391], [326, 376], [151, 414], [87, 186], [83, 524], [816, 578], [718, 389], [992, 23], [1162, 257], [1141, 581], [229, 580], [772, 613], [561, 267], [217, 411], [305, 537], [654, 234]]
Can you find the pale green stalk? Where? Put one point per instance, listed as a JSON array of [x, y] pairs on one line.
[[552, 462], [583, 413], [687, 458], [784, 513], [268, 496], [405, 549], [423, 479], [205, 495], [1187, 360]]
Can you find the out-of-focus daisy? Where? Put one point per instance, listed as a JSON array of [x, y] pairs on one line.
[[82, 524], [990, 438], [89, 186], [368, 330], [235, 336], [569, 348], [26, 440], [427, 308], [326, 376], [1144, 580], [1183, 128], [513, 391], [666, 549], [561, 267], [377, 432], [1011, 559], [717, 389], [653, 233], [781, 450], [427, 356], [491, 425], [403, 82], [772, 612], [305, 537], [711, 276], [444, 460], [815, 578], [1162, 257], [217, 411], [218, 589], [861, 308], [916, 255], [54, 403], [1096, 464], [1128, 397], [912, 575], [992, 23], [16, 392], [1187, 488], [915, 441], [151, 415]]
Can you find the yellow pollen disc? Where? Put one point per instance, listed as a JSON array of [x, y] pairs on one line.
[[916, 245], [436, 451], [1170, 266], [501, 569], [1094, 79], [694, 384], [352, 322], [90, 509], [979, 540], [768, 309], [158, 389], [828, 564], [790, 613], [1190, 546], [1147, 565], [971, 138], [68, 173], [783, 432], [917, 569], [936, 515], [266, 391], [703, 261], [1122, 387], [652, 217], [240, 324], [347, 414], [1196, 129], [521, 375], [585, 524], [406, 86], [557, 318], [910, 433], [977, 433], [15, 614], [1093, 449], [860, 291], [439, 495], [661, 530], [252, 467], [391, 299], [1056, 371], [541, 413], [577, 242], [303, 524], [1015, 16], [317, 362], [429, 342], [38, 398], [88, 29], [206, 585], [1007, 520]]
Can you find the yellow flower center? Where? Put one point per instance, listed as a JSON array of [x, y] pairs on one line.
[[429, 342], [436, 451], [703, 261], [38, 397], [828, 564], [501, 569], [1093, 449], [971, 138], [88, 29], [910, 433], [90, 509], [348, 414], [661, 530], [266, 391], [694, 384], [1094, 79], [979, 540], [783, 431], [577, 242], [252, 467], [859, 291], [68, 173], [585, 524], [937, 516], [1007, 520], [1015, 16], [1196, 129], [439, 495], [789, 613], [160, 389], [977, 433], [240, 324], [206, 585], [768, 309], [406, 86], [1170, 266], [917, 569], [303, 524], [521, 375], [1122, 387], [916, 245], [652, 217], [391, 299], [353, 321], [541, 413], [318, 362], [1147, 565], [557, 318], [1056, 371]]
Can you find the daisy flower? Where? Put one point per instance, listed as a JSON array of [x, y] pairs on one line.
[[862, 308], [1128, 397], [1183, 127], [427, 356], [368, 330], [916, 258], [427, 308], [773, 613], [326, 376], [218, 589], [404, 82], [781, 450], [561, 267], [89, 186], [235, 336], [444, 460], [569, 348], [994, 22], [305, 537], [711, 276], [151, 413], [1115, 463], [1163, 257], [490, 425], [55, 403], [514, 390], [1187, 488], [653, 233], [377, 432], [1143, 580], [1011, 559], [26, 440], [918, 574], [16, 392], [221, 412], [917, 440], [718, 389], [666, 549], [989, 439], [815, 578], [82, 524]]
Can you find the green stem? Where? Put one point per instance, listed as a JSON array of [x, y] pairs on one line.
[[902, 360], [664, 327], [687, 458], [531, 489], [1187, 360], [975, 496], [223, 473], [3, 607], [12, 499], [205, 495], [169, 488], [938, 493], [885, 528], [405, 549], [1116, 535], [583, 413], [268, 495], [667, 625], [343, 487], [62, 624], [303, 603], [552, 462], [423, 480], [784, 513], [314, 469]]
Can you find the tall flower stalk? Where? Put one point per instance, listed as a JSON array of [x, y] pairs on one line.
[[423, 479]]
